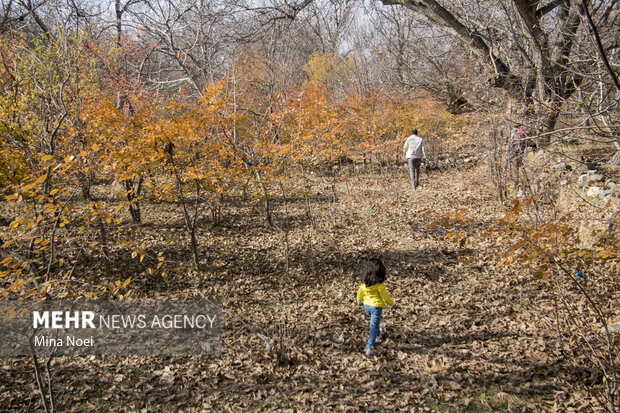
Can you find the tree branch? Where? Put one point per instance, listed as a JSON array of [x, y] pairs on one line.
[[599, 44], [438, 14]]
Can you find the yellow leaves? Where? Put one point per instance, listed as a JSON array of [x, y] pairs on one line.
[[139, 251], [30, 186], [24, 223], [506, 261], [91, 295], [160, 260], [50, 208], [607, 253], [324, 69]]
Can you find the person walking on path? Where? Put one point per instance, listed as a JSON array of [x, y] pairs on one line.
[[374, 296], [414, 152]]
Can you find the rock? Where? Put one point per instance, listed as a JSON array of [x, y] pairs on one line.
[[569, 140], [432, 166], [605, 193], [561, 166], [612, 328], [589, 178], [593, 191]]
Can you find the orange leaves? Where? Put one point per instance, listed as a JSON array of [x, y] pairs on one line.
[[457, 236], [544, 246], [212, 99], [447, 219], [458, 220]]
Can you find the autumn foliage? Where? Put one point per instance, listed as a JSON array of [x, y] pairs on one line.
[[83, 140]]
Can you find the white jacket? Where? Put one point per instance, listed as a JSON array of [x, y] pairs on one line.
[[414, 147]]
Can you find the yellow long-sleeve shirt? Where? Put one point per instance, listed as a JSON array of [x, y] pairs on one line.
[[376, 295]]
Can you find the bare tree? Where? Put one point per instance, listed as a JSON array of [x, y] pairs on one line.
[[420, 56], [549, 31], [193, 41]]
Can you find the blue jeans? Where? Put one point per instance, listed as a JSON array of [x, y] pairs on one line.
[[375, 319]]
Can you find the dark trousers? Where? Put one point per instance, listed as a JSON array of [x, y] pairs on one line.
[[414, 171]]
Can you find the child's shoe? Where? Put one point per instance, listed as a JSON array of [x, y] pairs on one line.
[[369, 352]]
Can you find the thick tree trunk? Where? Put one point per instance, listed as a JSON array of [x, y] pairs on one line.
[[548, 124], [440, 15], [551, 54], [133, 192]]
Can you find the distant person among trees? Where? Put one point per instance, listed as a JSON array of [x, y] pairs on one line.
[[515, 147], [374, 296], [414, 152]]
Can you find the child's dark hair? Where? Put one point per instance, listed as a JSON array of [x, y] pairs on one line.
[[373, 272]]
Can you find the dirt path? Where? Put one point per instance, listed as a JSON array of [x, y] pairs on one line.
[[461, 337]]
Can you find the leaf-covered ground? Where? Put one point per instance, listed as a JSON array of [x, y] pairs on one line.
[[464, 335]]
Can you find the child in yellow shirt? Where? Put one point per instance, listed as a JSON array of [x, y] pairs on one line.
[[374, 296]]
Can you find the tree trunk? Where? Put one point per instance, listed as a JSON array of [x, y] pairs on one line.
[[194, 245], [266, 202], [551, 51], [133, 192]]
